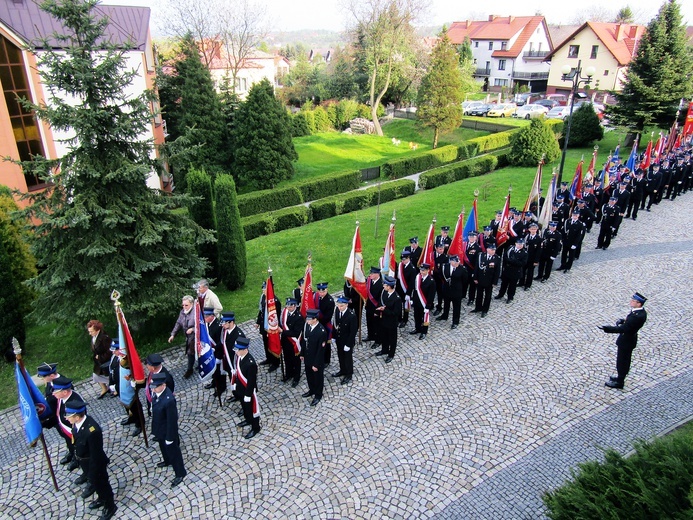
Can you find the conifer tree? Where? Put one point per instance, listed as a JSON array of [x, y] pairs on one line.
[[659, 75], [264, 152], [100, 227], [202, 212], [233, 266], [532, 143]]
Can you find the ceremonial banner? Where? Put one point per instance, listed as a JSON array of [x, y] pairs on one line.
[[659, 148], [688, 124], [457, 245], [632, 158], [127, 342], [204, 353], [32, 404], [534, 191], [472, 223], [354, 270], [645, 164], [576, 186], [589, 176], [547, 210], [308, 296], [429, 248], [389, 260], [272, 321], [502, 233]]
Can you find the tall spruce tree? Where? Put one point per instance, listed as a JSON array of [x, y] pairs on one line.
[[264, 152], [201, 210], [440, 95], [233, 265], [100, 227], [659, 75]]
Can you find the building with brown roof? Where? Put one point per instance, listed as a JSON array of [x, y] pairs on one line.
[[508, 50], [21, 134], [608, 47]]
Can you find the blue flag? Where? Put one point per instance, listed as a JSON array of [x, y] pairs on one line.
[[630, 163], [29, 407], [206, 362]]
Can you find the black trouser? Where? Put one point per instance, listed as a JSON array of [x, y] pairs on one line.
[[292, 362], [568, 256], [439, 293], [389, 337], [545, 267], [623, 359], [633, 207], [99, 481], [651, 197], [372, 324], [135, 411], [660, 194], [604, 239], [248, 415], [419, 319], [617, 223], [472, 287], [346, 359], [219, 379], [509, 284], [527, 275], [456, 308], [316, 380], [68, 440], [483, 298], [172, 455]]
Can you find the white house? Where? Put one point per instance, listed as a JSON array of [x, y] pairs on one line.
[[257, 66]]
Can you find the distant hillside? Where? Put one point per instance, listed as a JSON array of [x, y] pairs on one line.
[[313, 39]]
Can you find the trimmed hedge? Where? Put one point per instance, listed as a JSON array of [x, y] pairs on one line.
[[268, 200], [490, 142], [326, 185], [425, 161], [457, 171], [273, 221], [360, 199]]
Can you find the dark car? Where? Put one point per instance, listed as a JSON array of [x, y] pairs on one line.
[[479, 110], [548, 103]]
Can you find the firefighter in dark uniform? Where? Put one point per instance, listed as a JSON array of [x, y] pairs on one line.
[[422, 300], [270, 359], [485, 277], [623, 198], [63, 392], [472, 253], [374, 286], [637, 194], [406, 277], [388, 311], [292, 324], [344, 329], [515, 261], [455, 283], [246, 384], [533, 243], [440, 259], [414, 250], [313, 343], [573, 234], [325, 304], [444, 238], [653, 180], [165, 426], [550, 247], [610, 213]]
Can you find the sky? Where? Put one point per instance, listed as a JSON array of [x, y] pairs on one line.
[[332, 15]]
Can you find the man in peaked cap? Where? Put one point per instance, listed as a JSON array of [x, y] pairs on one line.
[[374, 287], [414, 250], [573, 233], [406, 276], [388, 312], [155, 365], [165, 426], [485, 277], [515, 261], [270, 359], [423, 300], [344, 329], [551, 244], [443, 239], [610, 213], [230, 333], [246, 385], [292, 325], [89, 453], [471, 255], [63, 392], [325, 304], [627, 330], [454, 289], [312, 345]]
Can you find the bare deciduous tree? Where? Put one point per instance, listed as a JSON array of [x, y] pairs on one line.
[[200, 19]]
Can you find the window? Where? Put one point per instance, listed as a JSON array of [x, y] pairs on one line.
[[595, 50], [241, 84], [474, 61], [531, 46], [573, 51], [500, 82], [476, 45], [504, 45], [15, 84], [488, 67], [606, 72], [501, 64], [490, 46]]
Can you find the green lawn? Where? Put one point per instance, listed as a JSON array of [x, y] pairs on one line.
[[329, 242]]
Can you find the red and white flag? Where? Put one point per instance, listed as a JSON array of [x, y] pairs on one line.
[[308, 297], [389, 260], [272, 321], [429, 247], [502, 233], [645, 164], [534, 191], [354, 270]]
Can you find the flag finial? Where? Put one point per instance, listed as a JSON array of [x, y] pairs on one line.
[[16, 348], [269, 269], [393, 215], [115, 298], [476, 193]]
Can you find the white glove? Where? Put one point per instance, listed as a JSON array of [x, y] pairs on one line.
[[133, 384], [347, 349], [112, 388], [168, 443], [246, 399], [553, 258], [573, 247]]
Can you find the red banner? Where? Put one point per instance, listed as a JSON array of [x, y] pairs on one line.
[[272, 321], [688, 124]]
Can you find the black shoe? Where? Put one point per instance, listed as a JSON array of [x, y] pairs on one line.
[[613, 384], [285, 379], [265, 362], [240, 414], [101, 396], [381, 353], [537, 278], [73, 465], [108, 513], [346, 380], [127, 421], [176, 481], [422, 336], [411, 333], [648, 210], [508, 300], [315, 401], [209, 386], [82, 479], [483, 314], [566, 271], [470, 302], [251, 434], [231, 399], [389, 359], [453, 326], [95, 504], [337, 374], [543, 280], [273, 368], [436, 312], [66, 459], [307, 394], [441, 318], [88, 491], [375, 345], [188, 374], [613, 378], [295, 383], [402, 324], [243, 423], [163, 464], [499, 297], [136, 432]]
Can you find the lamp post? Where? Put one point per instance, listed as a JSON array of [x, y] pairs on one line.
[[574, 75]]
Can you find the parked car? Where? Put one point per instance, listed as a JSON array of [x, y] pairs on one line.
[[522, 99], [530, 111], [480, 110], [548, 103], [558, 112], [468, 106], [502, 110], [562, 99]]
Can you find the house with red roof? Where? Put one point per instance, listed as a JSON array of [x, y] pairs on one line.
[[255, 67], [508, 51], [21, 134], [607, 47]]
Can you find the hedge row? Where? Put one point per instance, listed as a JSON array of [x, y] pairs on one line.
[[458, 171], [360, 199], [313, 189], [273, 221], [495, 141]]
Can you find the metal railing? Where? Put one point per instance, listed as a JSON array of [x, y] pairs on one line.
[[530, 75], [483, 72], [535, 54]]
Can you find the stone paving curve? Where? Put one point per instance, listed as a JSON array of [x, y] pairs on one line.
[[473, 423]]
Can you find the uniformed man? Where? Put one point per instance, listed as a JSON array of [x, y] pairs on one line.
[[114, 368], [414, 250], [598, 193], [652, 183], [443, 239], [390, 305], [89, 453], [560, 212], [487, 236], [48, 372], [533, 242], [564, 192], [230, 333], [550, 247], [214, 330], [472, 252], [270, 359], [355, 300], [610, 213], [678, 171], [627, 340], [666, 171], [494, 224], [455, 285], [440, 259], [246, 381], [63, 392], [573, 234], [515, 261], [637, 194], [312, 345], [423, 300], [155, 365], [374, 286], [344, 331], [325, 304], [406, 277], [485, 277], [298, 291], [292, 325], [165, 426], [623, 198]]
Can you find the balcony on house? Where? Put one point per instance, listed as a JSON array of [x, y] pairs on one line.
[[483, 71], [535, 55], [530, 75]]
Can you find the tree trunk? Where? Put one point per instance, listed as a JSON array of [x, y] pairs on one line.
[[435, 137]]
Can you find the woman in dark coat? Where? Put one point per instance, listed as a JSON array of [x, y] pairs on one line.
[[101, 354]]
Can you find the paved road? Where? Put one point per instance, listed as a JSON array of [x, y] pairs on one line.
[[474, 424]]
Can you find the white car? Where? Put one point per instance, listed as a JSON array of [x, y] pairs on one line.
[[471, 106], [530, 111], [558, 112]]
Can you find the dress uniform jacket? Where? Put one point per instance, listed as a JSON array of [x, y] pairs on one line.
[[455, 281], [88, 442], [406, 276], [551, 244], [415, 254], [488, 271], [627, 329], [573, 233], [345, 328], [312, 345], [515, 260], [165, 416]]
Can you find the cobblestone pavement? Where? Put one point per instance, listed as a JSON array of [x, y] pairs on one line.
[[476, 423]]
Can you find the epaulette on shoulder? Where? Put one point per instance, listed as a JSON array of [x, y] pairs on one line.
[[92, 429]]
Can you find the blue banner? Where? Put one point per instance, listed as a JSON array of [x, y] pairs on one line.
[[27, 405], [206, 362]]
